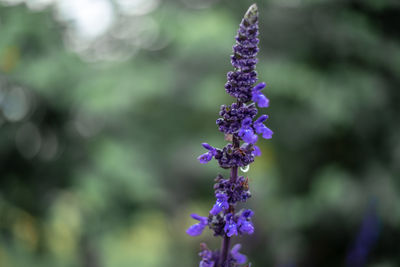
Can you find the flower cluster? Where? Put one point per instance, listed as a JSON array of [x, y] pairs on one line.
[[237, 191], [239, 124], [231, 116], [212, 258]]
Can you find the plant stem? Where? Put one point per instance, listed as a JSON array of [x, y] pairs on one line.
[[234, 174], [225, 249]]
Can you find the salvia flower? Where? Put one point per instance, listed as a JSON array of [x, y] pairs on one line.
[[246, 132], [239, 258], [206, 157], [221, 204], [262, 129], [230, 225], [239, 125], [258, 97], [197, 229], [245, 225]]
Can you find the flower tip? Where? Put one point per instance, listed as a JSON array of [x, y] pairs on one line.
[[207, 146], [252, 13], [260, 86]]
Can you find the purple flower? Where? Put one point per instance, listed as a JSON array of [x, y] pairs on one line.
[[247, 133], [244, 223], [208, 258], [206, 157], [230, 225], [257, 151], [238, 257], [258, 97], [230, 157], [367, 236], [221, 204], [197, 228], [261, 128]]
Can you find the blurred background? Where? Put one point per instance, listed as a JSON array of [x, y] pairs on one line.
[[104, 105]]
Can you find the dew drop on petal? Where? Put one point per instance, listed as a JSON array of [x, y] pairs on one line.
[[245, 168]]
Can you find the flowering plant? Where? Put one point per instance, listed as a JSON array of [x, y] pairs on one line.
[[240, 126]]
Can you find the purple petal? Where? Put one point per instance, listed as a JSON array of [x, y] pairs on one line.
[[264, 130], [261, 119], [204, 158], [267, 133], [217, 208], [239, 258], [196, 229], [259, 86], [246, 122], [205, 263], [248, 135], [203, 220], [260, 99], [220, 204], [247, 213], [231, 229], [207, 146], [246, 227], [257, 151]]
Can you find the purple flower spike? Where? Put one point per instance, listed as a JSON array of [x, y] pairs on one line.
[[238, 257], [220, 205], [240, 127], [197, 229]]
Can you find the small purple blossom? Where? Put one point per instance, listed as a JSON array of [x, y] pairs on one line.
[[258, 97], [238, 257], [261, 128], [257, 151], [208, 258], [230, 225], [246, 132], [245, 225], [221, 204], [197, 229], [206, 157]]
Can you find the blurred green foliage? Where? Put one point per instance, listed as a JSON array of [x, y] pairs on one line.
[[99, 137]]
